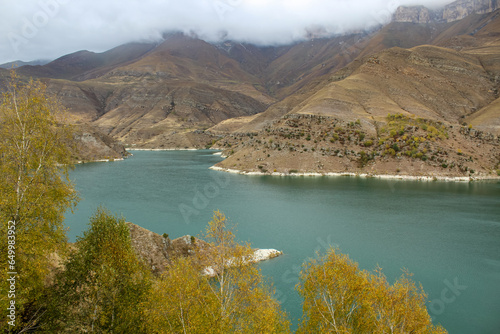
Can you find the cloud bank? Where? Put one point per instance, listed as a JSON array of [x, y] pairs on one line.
[[47, 29]]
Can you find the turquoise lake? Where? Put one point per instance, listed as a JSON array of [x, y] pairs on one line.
[[447, 234]]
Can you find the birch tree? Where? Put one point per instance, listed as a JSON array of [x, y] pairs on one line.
[[35, 190], [245, 304], [104, 284], [181, 301], [341, 298], [217, 291]]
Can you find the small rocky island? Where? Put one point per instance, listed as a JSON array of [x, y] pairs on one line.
[[159, 250]]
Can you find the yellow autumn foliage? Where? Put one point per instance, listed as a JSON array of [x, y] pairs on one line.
[[341, 298]]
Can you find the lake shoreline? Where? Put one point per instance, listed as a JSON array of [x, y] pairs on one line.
[[81, 162], [331, 174], [162, 149], [363, 175]]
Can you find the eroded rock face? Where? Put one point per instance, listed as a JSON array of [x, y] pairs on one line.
[[91, 145], [153, 248], [414, 14], [455, 11], [463, 8]]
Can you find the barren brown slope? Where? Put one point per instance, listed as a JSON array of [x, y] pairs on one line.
[[252, 58], [167, 97], [181, 58], [483, 42], [480, 40], [311, 59], [343, 125], [429, 82], [487, 119], [164, 112], [88, 144], [307, 61], [329, 55], [4, 74], [155, 113], [83, 65], [286, 70]]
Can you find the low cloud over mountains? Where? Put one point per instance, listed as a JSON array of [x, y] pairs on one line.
[[41, 29]]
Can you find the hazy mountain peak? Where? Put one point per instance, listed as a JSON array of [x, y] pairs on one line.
[[450, 13], [19, 63]]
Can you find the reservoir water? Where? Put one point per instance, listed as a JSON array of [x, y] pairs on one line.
[[447, 234]]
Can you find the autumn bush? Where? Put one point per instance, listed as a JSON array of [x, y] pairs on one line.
[[104, 284], [341, 298]]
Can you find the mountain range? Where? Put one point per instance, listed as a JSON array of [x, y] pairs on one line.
[[419, 96], [19, 63]]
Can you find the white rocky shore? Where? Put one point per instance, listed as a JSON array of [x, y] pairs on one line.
[[365, 175], [100, 160], [258, 256], [265, 254], [161, 149]]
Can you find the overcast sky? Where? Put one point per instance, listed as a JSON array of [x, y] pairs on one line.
[[47, 29]]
